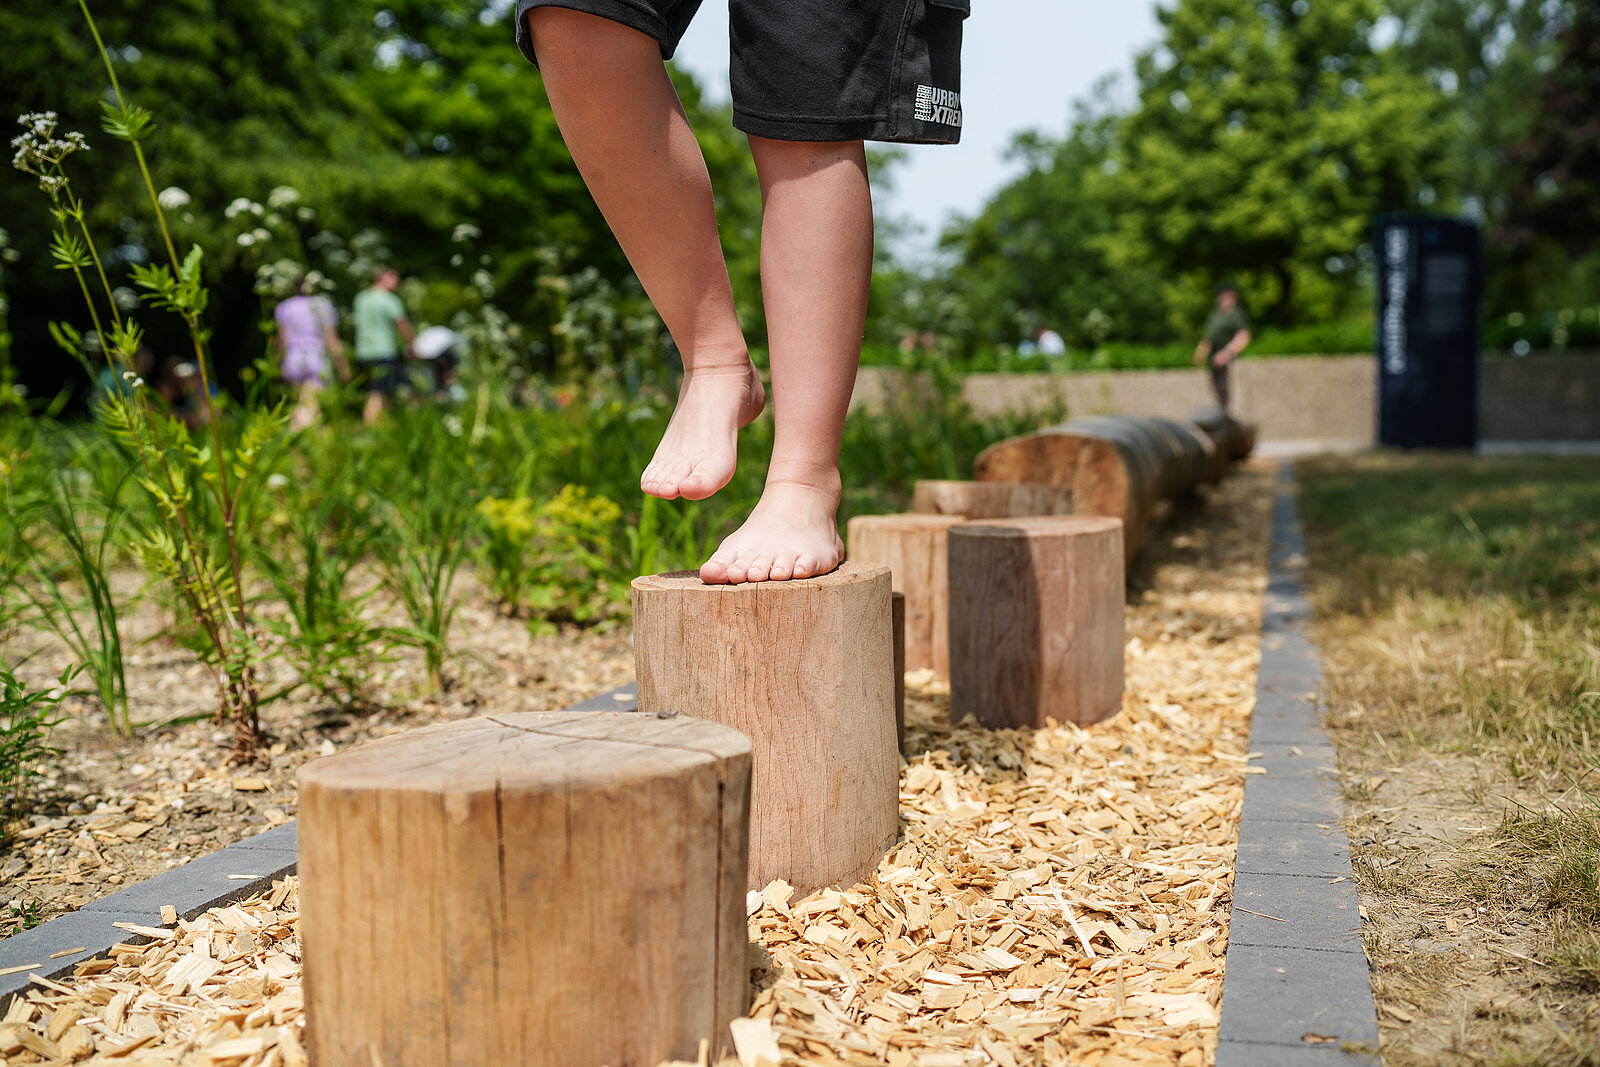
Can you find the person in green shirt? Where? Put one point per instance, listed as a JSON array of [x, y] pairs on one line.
[[383, 334], [1227, 334]]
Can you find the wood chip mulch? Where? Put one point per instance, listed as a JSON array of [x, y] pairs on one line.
[[1058, 896]]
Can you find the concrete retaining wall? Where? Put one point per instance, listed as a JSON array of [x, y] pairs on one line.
[[1328, 399]]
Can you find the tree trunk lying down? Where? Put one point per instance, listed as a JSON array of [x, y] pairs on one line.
[[1116, 465]]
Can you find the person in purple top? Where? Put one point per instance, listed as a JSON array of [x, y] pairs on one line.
[[308, 349]]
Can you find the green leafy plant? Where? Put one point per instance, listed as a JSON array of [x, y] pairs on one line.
[[26, 718], [324, 632]]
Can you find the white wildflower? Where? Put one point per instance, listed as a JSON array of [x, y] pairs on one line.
[[277, 481], [236, 206], [261, 235], [305, 214], [452, 425], [171, 198], [466, 231], [125, 298], [456, 260], [246, 240], [283, 196]]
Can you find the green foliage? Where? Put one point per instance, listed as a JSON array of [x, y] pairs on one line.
[[26, 718], [366, 130]]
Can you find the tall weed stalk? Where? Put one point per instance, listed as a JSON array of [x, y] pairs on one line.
[[195, 487], [86, 624]]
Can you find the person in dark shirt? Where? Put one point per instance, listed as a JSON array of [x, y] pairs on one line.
[[1227, 334]]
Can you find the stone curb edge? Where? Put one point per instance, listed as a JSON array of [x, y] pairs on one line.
[[1297, 988], [240, 870]]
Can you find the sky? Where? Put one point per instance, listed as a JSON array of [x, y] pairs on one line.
[[1023, 64]]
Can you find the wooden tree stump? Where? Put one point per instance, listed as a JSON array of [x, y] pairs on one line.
[[806, 669], [914, 548], [990, 500], [562, 889], [1036, 621], [897, 605]]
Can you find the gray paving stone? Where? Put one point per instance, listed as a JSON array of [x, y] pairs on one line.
[[1248, 1054], [202, 883], [92, 932], [1274, 995], [1313, 759], [1283, 798], [278, 839], [1315, 914], [1281, 718], [622, 698], [1293, 848]]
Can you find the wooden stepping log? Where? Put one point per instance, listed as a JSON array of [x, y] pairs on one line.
[[914, 548], [1036, 621], [806, 669], [562, 889], [990, 500]]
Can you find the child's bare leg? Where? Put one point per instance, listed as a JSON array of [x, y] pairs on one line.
[[816, 264], [631, 140]]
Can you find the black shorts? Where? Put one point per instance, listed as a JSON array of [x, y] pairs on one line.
[[819, 70]]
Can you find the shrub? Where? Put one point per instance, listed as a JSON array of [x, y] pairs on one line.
[[557, 559]]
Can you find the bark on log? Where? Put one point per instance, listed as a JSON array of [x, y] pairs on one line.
[[806, 669], [913, 547], [560, 889], [1234, 437], [1036, 621], [990, 500]]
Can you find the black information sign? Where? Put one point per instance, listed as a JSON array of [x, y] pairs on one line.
[[1430, 283]]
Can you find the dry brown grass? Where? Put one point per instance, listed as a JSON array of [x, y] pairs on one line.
[[1461, 630]]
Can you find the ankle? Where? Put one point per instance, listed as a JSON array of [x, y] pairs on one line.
[[822, 482], [717, 359]]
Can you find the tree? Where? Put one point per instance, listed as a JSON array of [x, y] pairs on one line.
[[1268, 135], [1551, 224], [1040, 252], [1502, 65]]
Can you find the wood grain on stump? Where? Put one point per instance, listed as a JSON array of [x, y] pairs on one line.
[[1036, 621], [806, 669], [897, 605], [915, 549], [562, 889], [990, 500]]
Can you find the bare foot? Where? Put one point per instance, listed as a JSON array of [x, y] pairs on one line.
[[792, 533], [696, 455]]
